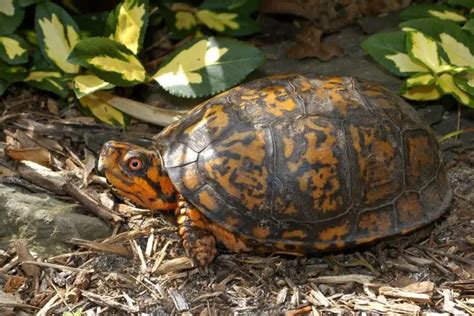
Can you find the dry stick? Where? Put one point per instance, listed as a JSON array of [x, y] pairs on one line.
[[442, 253], [57, 266], [58, 185]]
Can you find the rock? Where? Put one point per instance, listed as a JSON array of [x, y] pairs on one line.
[[45, 222]]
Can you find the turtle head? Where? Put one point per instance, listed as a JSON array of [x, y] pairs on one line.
[[137, 174]]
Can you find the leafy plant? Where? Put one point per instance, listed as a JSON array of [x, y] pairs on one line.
[[434, 50], [60, 58]]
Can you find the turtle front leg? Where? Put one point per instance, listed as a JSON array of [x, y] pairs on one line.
[[198, 241]]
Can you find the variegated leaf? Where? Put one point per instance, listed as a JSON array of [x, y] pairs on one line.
[[423, 49], [49, 80], [87, 84], [206, 66], [57, 34], [13, 50], [109, 60], [11, 16], [422, 79], [466, 82], [448, 86], [421, 93], [11, 73], [389, 49], [96, 105], [131, 23], [435, 11]]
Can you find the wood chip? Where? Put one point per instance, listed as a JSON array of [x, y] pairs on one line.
[[342, 279], [281, 297], [173, 265], [104, 300], [420, 287], [178, 300], [399, 293], [39, 155], [103, 247], [26, 258], [320, 298]]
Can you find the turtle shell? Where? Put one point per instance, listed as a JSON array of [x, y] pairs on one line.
[[303, 164]]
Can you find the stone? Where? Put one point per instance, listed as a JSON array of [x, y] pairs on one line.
[[45, 222]]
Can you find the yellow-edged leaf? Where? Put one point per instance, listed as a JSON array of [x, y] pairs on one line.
[[87, 84], [39, 75], [424, 49], [48, 80], [217, 21], [184, 20], [131, 18], [421, 93], [12, 47], [102, 110], [57, 34], [447, 15], [447, 85], [458, 53], [183, 69], [130, 69], [405, 64], [423, 79]]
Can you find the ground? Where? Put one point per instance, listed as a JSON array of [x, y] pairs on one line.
[[142, 266]]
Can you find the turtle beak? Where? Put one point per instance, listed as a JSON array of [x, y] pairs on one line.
[[104, 157]]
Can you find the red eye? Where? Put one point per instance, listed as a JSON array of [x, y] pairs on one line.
[[135, 164]]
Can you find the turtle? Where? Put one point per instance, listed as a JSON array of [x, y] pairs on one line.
[[288, 164]]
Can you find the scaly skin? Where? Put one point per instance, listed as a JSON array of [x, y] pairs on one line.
[[136, 173]]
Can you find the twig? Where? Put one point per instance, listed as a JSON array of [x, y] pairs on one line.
[[57, 266], [341, 279], [445, 254]]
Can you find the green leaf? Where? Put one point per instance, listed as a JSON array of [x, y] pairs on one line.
[[11, 16], [389, 49], [466, 82], [87, 84], [25, 3], [421, 93], [109, 60], [448, 86], [57, 34], [93, 24], [243, 7], [450, 37], [469, 26], [13, 50], [246, 26], [423, 49], [131, 23], [184, 21], [463, 3], [3, 86], [205, 66], [49, 80], [96, 104], [11, 73], [432, 11], [180, 23]]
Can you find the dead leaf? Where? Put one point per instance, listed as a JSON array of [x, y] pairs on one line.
[[309, 44], [13, 283], [39, 155]]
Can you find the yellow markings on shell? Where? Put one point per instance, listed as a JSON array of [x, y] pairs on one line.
[[288, 147], [260, 232], [129, 68], [294, 234], [214, 117], [207, 200], [87, 84], [12, 47], [447, 15], [425, 50], [129, 23], [335, 232], [182, 69], [458, 53], [7, 7], [430, 92], [57, 43], [405, 64], [218, 21], [191, 179], [376, 224], [273, 102]]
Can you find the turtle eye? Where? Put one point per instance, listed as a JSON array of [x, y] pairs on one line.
[[135, 164]]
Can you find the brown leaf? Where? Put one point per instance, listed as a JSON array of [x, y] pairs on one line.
[[13, 283], [39, 155], [309, 44]]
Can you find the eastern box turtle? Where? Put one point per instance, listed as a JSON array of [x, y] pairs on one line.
[[288, 164]]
